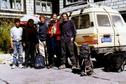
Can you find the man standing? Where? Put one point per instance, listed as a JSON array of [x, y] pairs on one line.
[[30, 40], [54, 42], [16, 44], [68, 33], [42, 34]]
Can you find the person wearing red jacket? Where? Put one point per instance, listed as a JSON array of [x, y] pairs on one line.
[[53, 41]]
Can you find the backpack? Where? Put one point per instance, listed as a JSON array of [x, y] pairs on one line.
[[39, 61]]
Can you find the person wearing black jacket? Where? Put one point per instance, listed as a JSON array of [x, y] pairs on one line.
[[68, 33], [30, 40], [42, 35]]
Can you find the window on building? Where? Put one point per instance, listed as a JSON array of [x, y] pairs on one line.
[[123, 13], [43, 7], [124, 17], [12, 5], [71, 2], [98, 0]]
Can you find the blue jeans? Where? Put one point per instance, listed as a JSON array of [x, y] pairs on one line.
[[17, 53]]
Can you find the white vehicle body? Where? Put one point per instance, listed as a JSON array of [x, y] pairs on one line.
[[101, 27]]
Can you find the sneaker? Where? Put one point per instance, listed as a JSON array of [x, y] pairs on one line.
[[83, 74], [21, 66], [13, 67], [74, 67], [49, 66], [62, 66]]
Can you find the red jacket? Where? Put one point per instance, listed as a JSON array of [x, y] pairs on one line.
[[57, 33]]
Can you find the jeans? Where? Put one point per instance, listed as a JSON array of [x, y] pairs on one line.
[[54, 48], [17, 53], [67, 48]]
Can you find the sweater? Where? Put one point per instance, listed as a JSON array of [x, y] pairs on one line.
[[68, 30]]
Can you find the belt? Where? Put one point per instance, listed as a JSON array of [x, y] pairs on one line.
[[17, 40]]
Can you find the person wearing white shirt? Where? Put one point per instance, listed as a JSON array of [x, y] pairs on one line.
[[16, 44]]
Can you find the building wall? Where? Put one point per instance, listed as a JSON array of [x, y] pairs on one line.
[[120, 5], [8, 10], [28, 8]]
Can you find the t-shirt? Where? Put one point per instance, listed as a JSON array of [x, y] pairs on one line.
[[16, 33]]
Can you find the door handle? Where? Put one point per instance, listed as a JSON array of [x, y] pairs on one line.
[[117, 34]]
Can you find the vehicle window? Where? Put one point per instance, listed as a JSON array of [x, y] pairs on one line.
[[76, 21], [84, 21], [117, 20], [103, 20]]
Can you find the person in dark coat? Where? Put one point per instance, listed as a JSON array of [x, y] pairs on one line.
[[68, 33], [30, 40]]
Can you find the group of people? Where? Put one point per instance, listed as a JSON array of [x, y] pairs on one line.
[[54, 38]]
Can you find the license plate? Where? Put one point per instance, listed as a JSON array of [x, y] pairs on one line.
[[106, 39]]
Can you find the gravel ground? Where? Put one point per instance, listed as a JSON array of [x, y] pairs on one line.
[[56, 76]]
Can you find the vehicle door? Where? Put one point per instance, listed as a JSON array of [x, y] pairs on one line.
[[120, 30], [104, 29]]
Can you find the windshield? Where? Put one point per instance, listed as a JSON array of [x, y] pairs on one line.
[[103, 20]]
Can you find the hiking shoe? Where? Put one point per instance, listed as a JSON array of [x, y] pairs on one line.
[[21, 66], [13, 66], [74, 67], [62, 66], [49, 66], [83, 73]]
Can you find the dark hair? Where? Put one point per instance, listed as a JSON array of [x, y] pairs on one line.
[[65, 14], [31, 21], [52, 22], [16, 20], [54, 14]]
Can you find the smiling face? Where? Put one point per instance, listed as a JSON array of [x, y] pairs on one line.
[[42, 19], [17, 24], [54, 17], [65, 17]]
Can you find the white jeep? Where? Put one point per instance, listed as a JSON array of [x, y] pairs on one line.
[[102, 28]]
